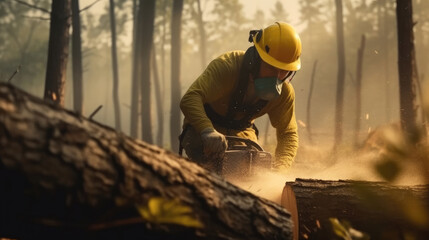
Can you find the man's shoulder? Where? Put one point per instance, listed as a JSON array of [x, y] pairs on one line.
[[231, 56], [229, 60]]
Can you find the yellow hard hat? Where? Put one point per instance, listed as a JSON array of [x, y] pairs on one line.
[[280, 46]]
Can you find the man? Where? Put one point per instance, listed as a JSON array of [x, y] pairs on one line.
[[238, 87]]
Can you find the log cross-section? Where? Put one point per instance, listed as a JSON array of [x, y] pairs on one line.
[[375, 208], [61, 173]]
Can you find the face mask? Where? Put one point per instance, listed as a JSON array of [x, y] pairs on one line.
[[268, 88]]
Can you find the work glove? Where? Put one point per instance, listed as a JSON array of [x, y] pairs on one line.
[[280, 167], [214, 142]]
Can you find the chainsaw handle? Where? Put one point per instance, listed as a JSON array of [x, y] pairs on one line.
[[248, 142]]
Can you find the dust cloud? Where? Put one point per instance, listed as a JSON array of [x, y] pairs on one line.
[[319, 163]]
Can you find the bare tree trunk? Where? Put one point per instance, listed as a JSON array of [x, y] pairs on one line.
[[310, 94], [361, 51], [406, 52], [77, 59], [116, 105], [386, 54], [135, 86], [340, 75], [65, 177], [203, 41], [58, 51], [147, 11], [176, 28], [159, 99]]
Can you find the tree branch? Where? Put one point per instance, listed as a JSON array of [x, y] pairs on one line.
[[87, 7], [32, 6]]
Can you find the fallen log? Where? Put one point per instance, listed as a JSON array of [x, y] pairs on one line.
[[375, 208], [63, 176]]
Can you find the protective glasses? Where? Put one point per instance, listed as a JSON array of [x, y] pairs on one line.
[[286, 77]]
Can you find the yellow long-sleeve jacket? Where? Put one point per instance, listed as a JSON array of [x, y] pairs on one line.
[[215, 87]]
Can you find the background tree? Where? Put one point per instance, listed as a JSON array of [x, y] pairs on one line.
[[115, 88], [406, 53], [360, 54], [58, 51], [158, 98], [77, 59], [278, 13], [340, 74], [197, 14], [24, 43], [145, 30], [176, 28], [135, 87]]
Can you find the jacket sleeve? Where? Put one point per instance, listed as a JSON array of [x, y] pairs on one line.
[[282, 117], [211, 85]]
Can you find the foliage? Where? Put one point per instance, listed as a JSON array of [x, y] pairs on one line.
[[345, 231], [164, 211], [23, 43]]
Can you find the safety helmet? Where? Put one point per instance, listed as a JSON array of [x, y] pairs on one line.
[[279, 45]]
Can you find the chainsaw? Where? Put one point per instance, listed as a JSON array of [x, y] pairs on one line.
[[243, 158]]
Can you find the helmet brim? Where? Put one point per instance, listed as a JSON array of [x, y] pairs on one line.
[[293, 66]]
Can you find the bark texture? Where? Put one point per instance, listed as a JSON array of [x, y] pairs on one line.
[[406, 65], [65, 177], [77, 58], [58, 51], [176, 33], [375, 208]]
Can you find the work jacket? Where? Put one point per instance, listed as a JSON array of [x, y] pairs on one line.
[[215, 87]]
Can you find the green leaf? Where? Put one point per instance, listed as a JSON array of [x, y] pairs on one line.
[[160, 210], [339, 229]]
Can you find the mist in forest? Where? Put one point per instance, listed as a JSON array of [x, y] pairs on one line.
[[24, 42]]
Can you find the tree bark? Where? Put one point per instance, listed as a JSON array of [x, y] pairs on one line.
[[407, 95], [77, 59], [147, 11], [203, 37], [340, 75], [116, 105], [372, 207], [158, 99], [58, 51], [63, 176], [176, 29], [135, 86], [359, 89]]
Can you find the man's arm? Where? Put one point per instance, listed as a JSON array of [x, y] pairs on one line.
[[209, 86], [282, 117]]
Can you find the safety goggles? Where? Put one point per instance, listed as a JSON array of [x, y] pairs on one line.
[[287, 77]]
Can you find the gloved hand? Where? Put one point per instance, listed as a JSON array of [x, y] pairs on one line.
[[214, 142], [280, 167]]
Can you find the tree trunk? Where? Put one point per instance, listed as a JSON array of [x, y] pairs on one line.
[[310, 94], [386, 56], [408, 109], [158, 98], [340, 75], [176, 28], [115, 94], [361, 50], [58, 51], [77, 59], [203, 41], [147, 11], [65, 177], [135, 86], [372, 207]]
